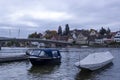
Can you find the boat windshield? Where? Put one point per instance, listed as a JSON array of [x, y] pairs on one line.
[[43, 54], [35, 52]]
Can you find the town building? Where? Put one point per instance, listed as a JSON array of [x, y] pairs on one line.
[[117, 37]]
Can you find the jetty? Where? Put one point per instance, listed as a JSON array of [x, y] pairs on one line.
[[12, 58]]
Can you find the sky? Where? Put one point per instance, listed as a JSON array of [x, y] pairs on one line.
[[18, 18]]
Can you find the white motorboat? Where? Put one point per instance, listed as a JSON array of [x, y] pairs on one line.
[[95, 61]]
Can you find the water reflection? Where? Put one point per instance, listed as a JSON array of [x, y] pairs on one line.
[[45, 69], [42, 72], [87, 74]]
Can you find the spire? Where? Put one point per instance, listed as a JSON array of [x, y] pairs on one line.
[[19, 33]]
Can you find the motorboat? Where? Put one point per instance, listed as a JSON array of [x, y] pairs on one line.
[[44, 56], [95, 61]]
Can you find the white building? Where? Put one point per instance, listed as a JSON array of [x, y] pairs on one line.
[[38, 44], [99, 41], [117, 37], [81, 39]]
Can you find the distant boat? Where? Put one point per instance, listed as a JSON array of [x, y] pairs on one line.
[[84, 46], [95, 61], [44, 56]]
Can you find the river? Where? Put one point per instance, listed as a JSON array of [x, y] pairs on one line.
[[23, 70]]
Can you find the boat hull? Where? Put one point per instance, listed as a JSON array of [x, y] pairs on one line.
[[39, 61]]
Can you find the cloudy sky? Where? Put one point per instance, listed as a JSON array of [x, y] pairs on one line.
[[27, 16]]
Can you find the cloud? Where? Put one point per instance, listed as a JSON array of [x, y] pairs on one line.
[[6, 27], [39, 15], [42, 15]]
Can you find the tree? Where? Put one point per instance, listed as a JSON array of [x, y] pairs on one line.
[[60, 31], [108, 31], [49, 34], [102, 31], [35, 35], [67, 30]]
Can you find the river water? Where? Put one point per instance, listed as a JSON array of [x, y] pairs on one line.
[[23, 70]]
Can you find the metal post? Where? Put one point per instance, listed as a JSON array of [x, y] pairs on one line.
[[0, 45]]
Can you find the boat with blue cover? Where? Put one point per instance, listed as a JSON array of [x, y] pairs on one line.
[[44, 56]]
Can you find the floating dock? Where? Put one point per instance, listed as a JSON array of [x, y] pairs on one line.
[[13, 58]]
